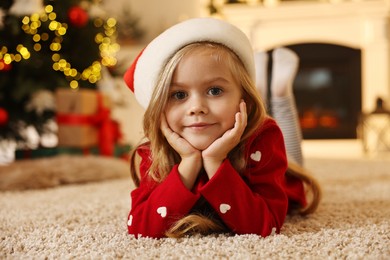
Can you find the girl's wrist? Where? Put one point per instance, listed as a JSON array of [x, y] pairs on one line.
[[193, 157], [211, 165], [189, 168], [215, 159]]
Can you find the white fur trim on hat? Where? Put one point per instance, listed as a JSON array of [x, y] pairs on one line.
[[142, 76]]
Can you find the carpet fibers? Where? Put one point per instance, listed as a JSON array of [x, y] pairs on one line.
[[88, 221]]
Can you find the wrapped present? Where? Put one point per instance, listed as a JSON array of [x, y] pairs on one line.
[[120, 151], [84, 121]]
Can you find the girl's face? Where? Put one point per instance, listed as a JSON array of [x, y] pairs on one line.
[[203, 98]]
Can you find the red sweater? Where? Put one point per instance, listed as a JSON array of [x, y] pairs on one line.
[[254, 202]]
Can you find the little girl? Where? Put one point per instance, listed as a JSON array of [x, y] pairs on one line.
[[213, 161]]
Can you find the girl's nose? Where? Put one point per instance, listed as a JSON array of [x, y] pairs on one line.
[[198, 106]]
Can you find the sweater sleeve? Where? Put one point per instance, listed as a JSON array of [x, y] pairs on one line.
[[254, 202], [156, 206]]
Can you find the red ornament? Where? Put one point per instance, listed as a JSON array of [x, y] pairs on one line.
[[78, 17], [4, 66], [3, 116]]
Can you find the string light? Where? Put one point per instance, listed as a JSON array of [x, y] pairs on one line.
[[8, 58], [31, 25]]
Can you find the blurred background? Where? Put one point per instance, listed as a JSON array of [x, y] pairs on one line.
[[62, 63]]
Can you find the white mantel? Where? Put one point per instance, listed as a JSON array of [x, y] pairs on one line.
[[356, 24]]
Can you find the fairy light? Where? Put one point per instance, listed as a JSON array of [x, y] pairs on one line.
[[53, 25], [36, 38], [52, 16], [44, 17], [55, 57], [37, 47], [49, 8], [8, 58], [45, 36], [74, 84], [98, 22], [21, 53], [62, 30], [31, 25]]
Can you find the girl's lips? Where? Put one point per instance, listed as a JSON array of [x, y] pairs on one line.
[[199, 126]]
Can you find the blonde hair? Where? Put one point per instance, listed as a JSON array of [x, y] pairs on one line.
[[164, 157]]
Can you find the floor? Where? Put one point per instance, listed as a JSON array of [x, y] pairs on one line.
[[340, 149]]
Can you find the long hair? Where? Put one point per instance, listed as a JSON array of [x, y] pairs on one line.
[[164, 157], [312, 188]]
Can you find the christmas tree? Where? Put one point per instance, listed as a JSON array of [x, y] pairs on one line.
[[45, 45]]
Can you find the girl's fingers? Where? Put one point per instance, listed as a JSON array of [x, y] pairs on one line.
[[179, 144], [234, 134], [164, 127], [243, 112], [241, 119]]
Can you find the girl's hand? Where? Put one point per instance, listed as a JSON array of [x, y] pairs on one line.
[[191, 158], [214, 155]]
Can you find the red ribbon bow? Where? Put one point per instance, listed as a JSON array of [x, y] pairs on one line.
[[108, 129]]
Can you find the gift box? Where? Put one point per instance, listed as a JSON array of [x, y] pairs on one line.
[[83, 118]]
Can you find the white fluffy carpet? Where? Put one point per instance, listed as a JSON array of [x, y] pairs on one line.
[[88, 221]]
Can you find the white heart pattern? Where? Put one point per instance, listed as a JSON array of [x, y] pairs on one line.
[[162, 211], [224, 208], [130, 221], [256, 156]]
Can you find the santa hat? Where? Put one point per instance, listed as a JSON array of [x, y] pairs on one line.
[[143, 74]]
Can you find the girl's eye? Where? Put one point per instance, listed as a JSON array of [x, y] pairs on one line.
[[215, 91], [179, 95]]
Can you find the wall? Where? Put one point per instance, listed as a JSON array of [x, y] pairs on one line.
[[156, 15]]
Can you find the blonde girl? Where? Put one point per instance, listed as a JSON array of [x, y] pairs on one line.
[[214, 161]]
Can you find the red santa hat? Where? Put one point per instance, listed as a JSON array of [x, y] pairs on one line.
[[143, 74]]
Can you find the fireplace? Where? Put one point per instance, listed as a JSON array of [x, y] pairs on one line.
[[327, 89], [344, 55]]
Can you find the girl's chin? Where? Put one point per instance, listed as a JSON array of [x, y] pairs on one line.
[[201, 145]]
